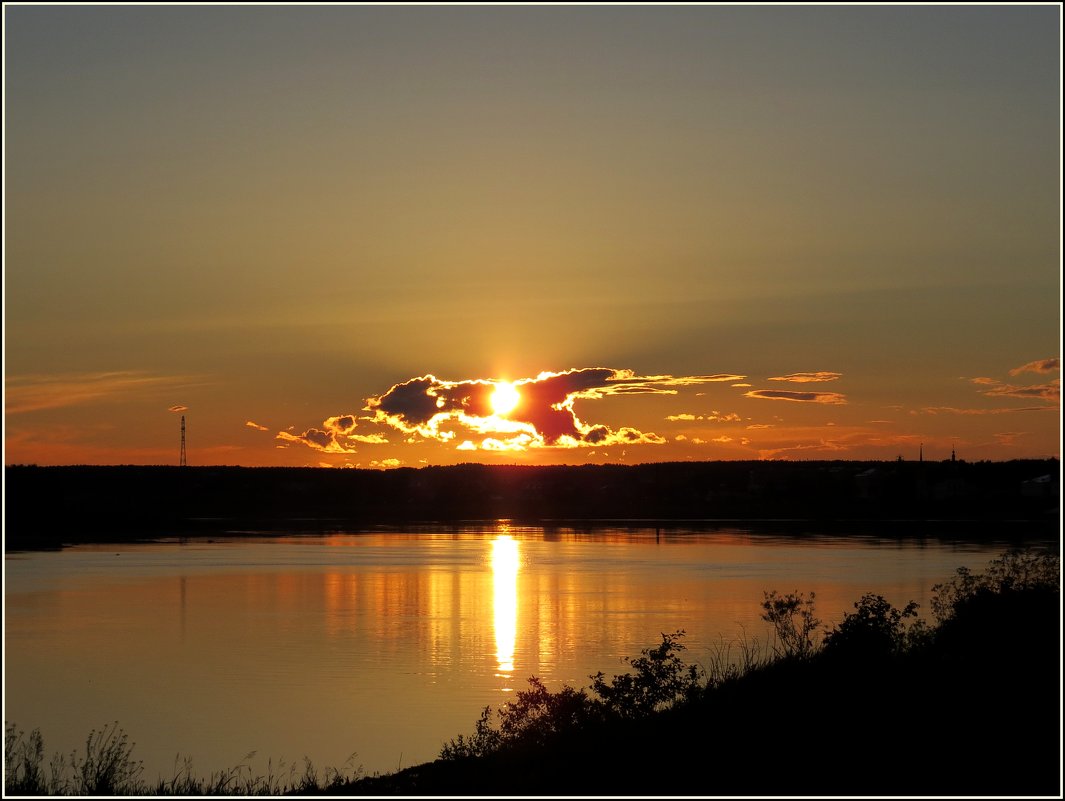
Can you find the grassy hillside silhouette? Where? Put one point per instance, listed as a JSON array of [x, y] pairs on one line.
[[880, 707]]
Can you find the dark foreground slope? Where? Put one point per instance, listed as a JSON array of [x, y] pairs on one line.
[[975, 712], [47, 506]]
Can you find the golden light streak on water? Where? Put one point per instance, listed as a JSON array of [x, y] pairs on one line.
[[506, 559]]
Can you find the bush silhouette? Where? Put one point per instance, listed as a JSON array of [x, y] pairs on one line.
[[794, 624], [538, 716], [875, 630], [1017, 569], [484, 740], [661, 679]]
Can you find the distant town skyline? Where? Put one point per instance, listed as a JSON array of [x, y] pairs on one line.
[[379, 236]]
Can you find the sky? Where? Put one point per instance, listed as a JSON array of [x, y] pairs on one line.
[[381, 236]]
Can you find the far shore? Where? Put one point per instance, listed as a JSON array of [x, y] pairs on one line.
[[48, 507]]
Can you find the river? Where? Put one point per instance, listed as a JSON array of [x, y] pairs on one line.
[[385, 644]]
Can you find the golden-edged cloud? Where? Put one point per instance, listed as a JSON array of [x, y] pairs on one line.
[[799, 397], [496, 415], [256, 426], [337, 435], [806, 378]]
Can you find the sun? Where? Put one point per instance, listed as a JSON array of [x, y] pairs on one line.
[[504, 399]]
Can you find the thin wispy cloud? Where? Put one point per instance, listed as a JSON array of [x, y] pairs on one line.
[[178, 408], [1047, 392], [798, 397], [837, 442], [35, 392], [826, 446], [1007, 438], [806, 378], [1040, 366], [713, 417], [256, 426], [993, 388], [964, 411]]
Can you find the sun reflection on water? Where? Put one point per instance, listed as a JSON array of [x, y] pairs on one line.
[[505, 562]]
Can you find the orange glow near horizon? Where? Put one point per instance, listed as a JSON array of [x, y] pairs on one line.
[[506, 559]]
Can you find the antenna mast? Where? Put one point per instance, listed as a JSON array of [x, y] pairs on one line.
[[183, 463]]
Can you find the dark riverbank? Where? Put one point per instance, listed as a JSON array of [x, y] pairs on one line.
[[971, 707], [51, 506]]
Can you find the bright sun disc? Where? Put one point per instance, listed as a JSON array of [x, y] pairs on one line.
[[504, 398]]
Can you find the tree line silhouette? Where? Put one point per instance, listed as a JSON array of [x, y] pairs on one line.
[[46, 506]]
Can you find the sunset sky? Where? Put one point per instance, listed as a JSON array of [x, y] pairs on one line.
[[381, 236]]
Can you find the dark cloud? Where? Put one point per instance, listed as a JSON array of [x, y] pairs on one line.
[[802, 397], [544, 415], [337, 435], [342, 424], [318, 439], [416, 400]]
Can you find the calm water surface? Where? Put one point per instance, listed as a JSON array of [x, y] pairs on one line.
[[389, 644]]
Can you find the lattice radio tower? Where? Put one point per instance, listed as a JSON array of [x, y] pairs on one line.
[[183, 463]]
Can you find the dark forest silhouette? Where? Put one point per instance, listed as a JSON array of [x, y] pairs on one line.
[[48, 506]]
